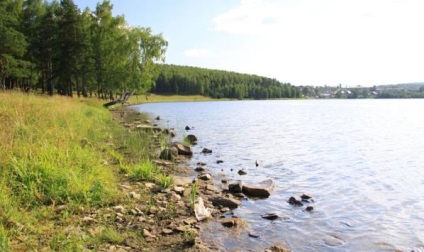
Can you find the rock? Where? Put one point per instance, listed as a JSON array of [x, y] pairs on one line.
[[181, 181], [167, 231], [228, 223], [192, 139], [199, 169], [235, 187], [270, 216], [233, 222], [190, 221], [206, 151], [88, 219], [309, 208], [225, 202], [187, 128], [305, 197], [242, 172], [224, 181], [263, 190], [200, 211], [253, 235], [146, 233], [278, 249], [201, 163], [119, 209], [157, 118], [225, 209], [183, 149], [204, 176], [134, 195], [219, 161], [148, 128], [179, 189], [295, 202]]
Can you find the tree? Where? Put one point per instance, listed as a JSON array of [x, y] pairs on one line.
[[13, 44]]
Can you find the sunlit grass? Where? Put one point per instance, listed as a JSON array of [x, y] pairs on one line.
[[171, 98], [57, 151]]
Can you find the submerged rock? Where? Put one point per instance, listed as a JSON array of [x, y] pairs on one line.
[[293, 201], [206, 151], [225, 202]]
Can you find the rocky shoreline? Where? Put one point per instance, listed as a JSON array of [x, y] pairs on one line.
[[193, 201]]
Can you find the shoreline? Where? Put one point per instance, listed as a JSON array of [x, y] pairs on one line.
[[221, 202]]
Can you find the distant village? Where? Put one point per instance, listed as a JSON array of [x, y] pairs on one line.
[[408, 90]]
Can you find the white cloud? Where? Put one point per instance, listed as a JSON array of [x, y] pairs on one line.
[[198, 53], [328, 41]]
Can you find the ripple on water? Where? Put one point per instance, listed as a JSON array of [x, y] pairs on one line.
[[360, 160]]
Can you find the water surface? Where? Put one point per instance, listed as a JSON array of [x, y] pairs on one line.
[[361, 160]]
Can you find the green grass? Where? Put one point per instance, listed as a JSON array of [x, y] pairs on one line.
[[57, 151], [151, 98]]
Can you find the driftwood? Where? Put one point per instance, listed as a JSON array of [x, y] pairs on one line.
[[123, 99]]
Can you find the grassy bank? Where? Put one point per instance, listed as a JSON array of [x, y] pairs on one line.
[[62, 160], [151, 98]]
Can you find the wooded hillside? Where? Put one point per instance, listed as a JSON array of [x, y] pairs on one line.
[[172, 79]]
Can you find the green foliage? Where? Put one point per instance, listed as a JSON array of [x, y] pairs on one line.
[[54, 46], [163, 180], [111, 236], [143, 171], [172, 79]]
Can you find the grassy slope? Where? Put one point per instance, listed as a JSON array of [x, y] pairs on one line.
[[170, 98], [59, 158]]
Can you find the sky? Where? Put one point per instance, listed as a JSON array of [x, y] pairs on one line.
[[303, 42]]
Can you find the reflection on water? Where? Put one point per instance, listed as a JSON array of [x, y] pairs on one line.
[[361, 160]]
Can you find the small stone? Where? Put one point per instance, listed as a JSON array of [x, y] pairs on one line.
[[167, 231], [225, 209], [309, 208], [190, 221], [204, 176], [201, 164], [294, 202], [149, 185], [187, 128], [134, 195], [88, 219], [146, 233], [305, 197], [242, 172], [206, 151], [219, 161], [179, 189], [119, 209], [270, 216], [199, 169], [253, 235]]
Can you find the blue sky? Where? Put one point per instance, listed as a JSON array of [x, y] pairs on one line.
[[304, 42]]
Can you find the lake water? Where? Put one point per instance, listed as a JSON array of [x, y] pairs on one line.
[[362, 161]]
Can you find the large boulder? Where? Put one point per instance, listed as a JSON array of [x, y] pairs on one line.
[[262, 190], [183, 149]]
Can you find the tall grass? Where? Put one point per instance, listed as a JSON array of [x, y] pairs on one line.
[[53, 152]]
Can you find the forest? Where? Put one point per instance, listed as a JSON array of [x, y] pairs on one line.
[[55, 47], [185, 80]]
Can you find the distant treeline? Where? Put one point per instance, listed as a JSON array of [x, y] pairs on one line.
[[55, 47], [185, 80]]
